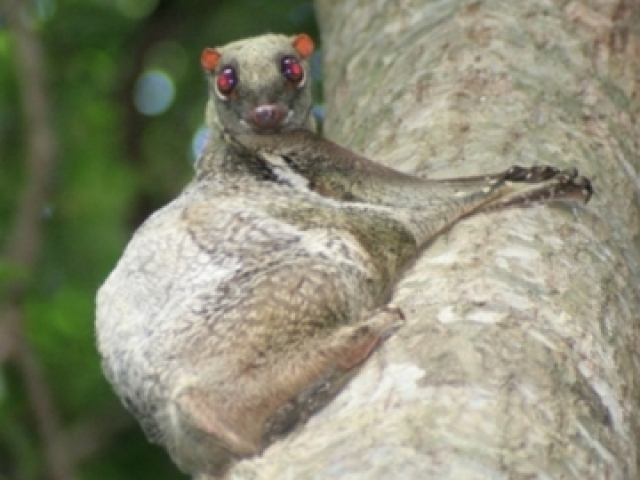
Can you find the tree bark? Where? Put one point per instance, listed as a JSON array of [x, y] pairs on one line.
[[519, 355]]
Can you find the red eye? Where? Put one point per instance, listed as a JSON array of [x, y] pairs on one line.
[[227, 80], [292, 70]]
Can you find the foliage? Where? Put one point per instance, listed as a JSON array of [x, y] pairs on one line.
[[115, 166]]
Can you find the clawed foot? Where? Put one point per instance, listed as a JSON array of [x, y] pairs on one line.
[[534, 174], [556, 184]]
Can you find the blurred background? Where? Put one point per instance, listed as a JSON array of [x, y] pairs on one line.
[[101, 111]]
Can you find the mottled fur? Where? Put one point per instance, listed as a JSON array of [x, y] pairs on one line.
[[244, 304]]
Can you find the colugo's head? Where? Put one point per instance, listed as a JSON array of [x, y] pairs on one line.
[[261, 84]]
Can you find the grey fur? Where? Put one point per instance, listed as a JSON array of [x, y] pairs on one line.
[[246, 303]]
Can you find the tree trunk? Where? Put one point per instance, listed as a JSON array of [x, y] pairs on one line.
[[519, 355]]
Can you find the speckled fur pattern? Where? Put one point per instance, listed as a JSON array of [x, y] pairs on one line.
[[236, 307]]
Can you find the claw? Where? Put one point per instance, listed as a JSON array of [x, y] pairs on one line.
[[530, 174]]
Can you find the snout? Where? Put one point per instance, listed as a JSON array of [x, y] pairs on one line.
[[267, 117]]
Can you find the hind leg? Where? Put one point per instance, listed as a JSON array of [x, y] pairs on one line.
[[351, 346], [257, 406]]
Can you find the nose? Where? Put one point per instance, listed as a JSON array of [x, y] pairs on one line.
[[267, 116]]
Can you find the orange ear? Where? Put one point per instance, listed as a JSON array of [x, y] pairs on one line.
[[303, 45], [209, 59]]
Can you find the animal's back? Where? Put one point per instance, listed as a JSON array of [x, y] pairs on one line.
[[214, 288]]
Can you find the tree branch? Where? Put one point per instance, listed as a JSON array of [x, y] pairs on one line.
[[24, 240]]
